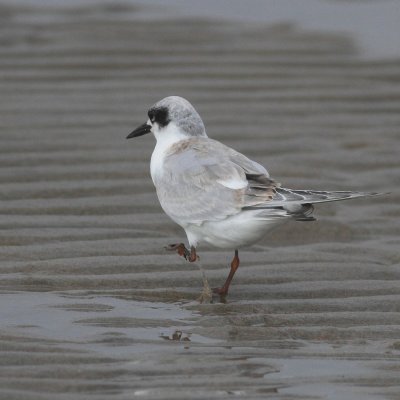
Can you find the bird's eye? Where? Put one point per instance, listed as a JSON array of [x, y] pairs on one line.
[[159, 115], [152, 116]]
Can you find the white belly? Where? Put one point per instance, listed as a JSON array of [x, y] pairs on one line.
[[234, 232]]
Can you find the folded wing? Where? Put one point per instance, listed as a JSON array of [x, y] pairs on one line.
[[204, 180]]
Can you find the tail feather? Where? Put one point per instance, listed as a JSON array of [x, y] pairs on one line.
[[302, 212], [299, 203], [314, 196]]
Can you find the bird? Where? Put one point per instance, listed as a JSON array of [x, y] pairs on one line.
[[216, 194]]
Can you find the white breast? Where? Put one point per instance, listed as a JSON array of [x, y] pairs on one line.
[[165, 139]]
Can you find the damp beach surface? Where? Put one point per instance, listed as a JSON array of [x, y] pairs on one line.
[[91, 304]]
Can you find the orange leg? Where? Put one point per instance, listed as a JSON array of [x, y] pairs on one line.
[[223, 291], [180, 248]]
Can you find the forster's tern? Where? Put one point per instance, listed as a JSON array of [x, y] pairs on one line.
[[216, 194]]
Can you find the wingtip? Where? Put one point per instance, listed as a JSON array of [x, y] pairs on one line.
[[378, 193]]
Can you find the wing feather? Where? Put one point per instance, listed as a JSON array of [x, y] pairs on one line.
[[204, 180]]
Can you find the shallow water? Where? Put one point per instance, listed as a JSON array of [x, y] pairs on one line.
[[90, 302]]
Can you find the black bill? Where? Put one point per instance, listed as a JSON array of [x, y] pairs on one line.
[[141, 130]]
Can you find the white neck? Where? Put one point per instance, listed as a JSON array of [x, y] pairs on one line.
[[166, 137]]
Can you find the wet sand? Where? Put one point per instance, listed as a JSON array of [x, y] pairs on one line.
[[92, 306]]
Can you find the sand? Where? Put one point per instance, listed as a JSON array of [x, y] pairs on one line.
[[91, 304]]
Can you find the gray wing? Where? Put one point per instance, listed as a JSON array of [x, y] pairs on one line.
[[299, 203], [204, 180], [288, 198]]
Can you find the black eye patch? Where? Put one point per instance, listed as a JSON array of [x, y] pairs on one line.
[[152, 115], [159, 115]]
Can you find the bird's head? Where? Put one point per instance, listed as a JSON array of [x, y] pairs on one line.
[[171, 115]]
